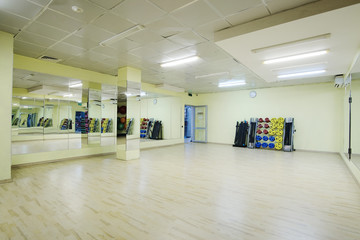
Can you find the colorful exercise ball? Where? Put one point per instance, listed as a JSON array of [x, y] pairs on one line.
[[123, 120], [122, 109]]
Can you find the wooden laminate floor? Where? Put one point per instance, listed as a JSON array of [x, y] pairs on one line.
[[185, 192]]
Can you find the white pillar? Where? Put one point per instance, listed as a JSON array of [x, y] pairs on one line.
[[6, 75]]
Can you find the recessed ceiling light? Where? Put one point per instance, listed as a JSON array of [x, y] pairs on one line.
[[232, 83], [296, 57], [68, 95], [122, 35], [77, 9], [76, 85], [180, 61], [299, 74], [212, 75]]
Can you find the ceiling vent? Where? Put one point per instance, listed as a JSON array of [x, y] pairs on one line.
[[49, 59]]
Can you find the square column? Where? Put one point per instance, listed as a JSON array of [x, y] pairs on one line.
[[6, 78], [130, 79]]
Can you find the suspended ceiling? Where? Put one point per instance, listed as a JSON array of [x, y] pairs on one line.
[[173, 30]]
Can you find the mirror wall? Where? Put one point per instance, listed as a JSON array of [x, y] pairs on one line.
[[355, 115], [161, 117], [52, 113]]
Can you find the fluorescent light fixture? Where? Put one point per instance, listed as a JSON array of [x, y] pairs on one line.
[[68, 95], [128, 94], [142, 94], [77, 9], [76, 85], [24, 97], [212, 75], [232, 83], [293, 43], [122, 35], [296, 57], [299, 74], [180, 61], [170, 87]]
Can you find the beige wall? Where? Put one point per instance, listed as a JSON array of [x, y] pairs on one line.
[[317, 109], [6, 70]]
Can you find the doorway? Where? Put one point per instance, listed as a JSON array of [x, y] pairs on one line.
[[195, 122]]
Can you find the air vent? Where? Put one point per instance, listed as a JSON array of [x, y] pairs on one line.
[[49, 59]]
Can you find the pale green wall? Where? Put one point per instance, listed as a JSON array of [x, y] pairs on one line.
[[6, 70], [317, 109]]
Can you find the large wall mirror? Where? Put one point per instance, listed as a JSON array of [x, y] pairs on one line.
[[355, 114], [161, 117], [52, 113]]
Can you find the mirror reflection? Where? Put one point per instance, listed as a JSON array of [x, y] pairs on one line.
[[52, 113]]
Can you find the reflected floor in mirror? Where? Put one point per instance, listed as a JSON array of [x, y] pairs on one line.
[[185, 192], [26, 147], [356, 160]]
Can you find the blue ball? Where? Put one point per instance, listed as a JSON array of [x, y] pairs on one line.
[[257, 145], [271, 145], [265, 138], [258, 138], [272, 138], [264, 145]]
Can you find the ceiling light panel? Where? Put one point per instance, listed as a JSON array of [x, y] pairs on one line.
[[296, 57], [302, 74], [122, 35], [180, 61], [232, 83]]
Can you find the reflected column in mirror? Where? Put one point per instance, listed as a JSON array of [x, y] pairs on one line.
[[133, 116], [121, 116], [108, 114], [94, 135]]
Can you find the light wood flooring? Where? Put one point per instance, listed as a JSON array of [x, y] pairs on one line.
[[185, 192]]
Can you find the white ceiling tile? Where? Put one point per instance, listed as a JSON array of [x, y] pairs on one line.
[[46, 31], [108, 51], [166, 26], [165, 46], [25, 46], [21, 7], [12, 20], [108, 4], [68, 49], [195, 14], [35, 39], [124, 45], [232, 6], [94, 33], [9, 29], [170, 6], [107, 21], [58, 54], [90, 10], [207, 30], [144, 52], [81, 42], [40, 2], [187, 38], [60, 21], [139, 11], [248, 15], [145, 37], [281, 5], [182, 53], [211, 52]]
